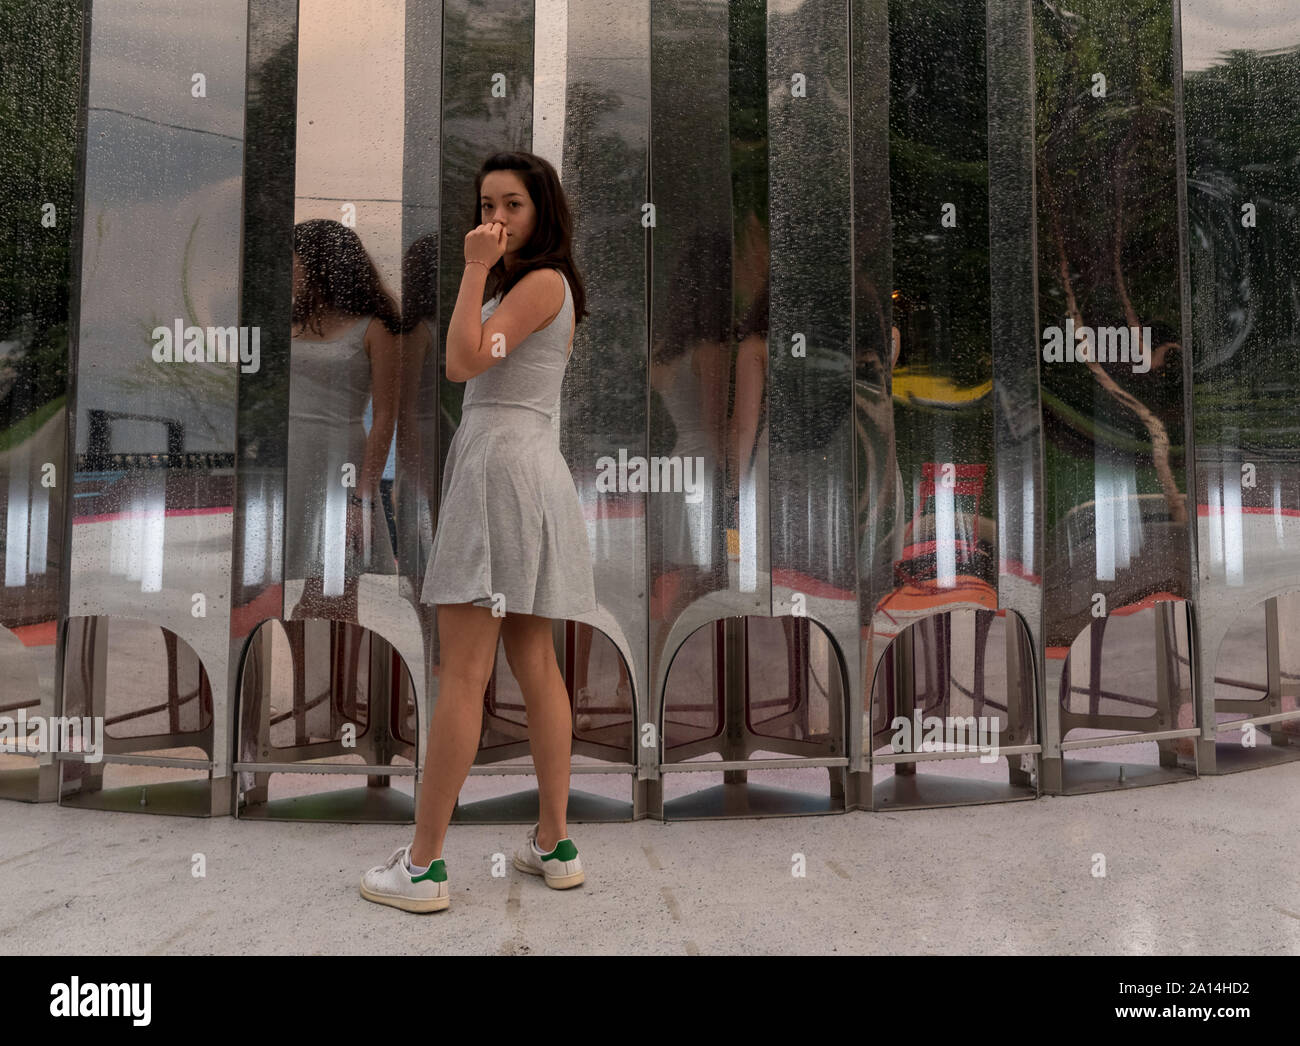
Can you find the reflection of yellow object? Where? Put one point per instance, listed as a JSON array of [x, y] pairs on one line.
[[927, 388], [733, 541]]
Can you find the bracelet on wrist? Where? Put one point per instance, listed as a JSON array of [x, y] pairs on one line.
[[474, 261]]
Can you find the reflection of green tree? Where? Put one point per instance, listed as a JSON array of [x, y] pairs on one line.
[[938, 153], [1243, 147], [40, 55], [1108, 247]]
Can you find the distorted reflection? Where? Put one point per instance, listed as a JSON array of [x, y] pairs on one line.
[[344, 350], [942, 356], [689, 371], [418, 416], [747, 425], [1116, 508]]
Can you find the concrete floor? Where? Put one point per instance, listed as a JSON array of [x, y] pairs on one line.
[[1209, 866]]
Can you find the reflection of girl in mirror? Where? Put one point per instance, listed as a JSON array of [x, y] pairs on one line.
[[510, 554], [690, 371], [344, 352], [419, 418]]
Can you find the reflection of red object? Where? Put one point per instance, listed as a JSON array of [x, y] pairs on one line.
[[664, 592], [968, 481], [910, 597], [268, 604], [919, 560], [43, 633]]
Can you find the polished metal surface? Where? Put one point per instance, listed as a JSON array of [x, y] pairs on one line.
[[694, 273], [1240, 81], [938, 616], [838, 260], [878, 508], [802, 482], [597, 116], [1117, 548], [318, 495], [41, 144], [750, 394], [153, 417]]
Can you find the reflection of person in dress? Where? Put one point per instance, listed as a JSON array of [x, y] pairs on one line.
[[335, 286], [418, 414], [419, 429], [690, 369], [519, 243]]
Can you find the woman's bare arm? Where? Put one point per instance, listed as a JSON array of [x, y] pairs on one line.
[[539, 295], [385, 370]]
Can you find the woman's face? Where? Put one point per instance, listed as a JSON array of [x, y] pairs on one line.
[[504, 198]]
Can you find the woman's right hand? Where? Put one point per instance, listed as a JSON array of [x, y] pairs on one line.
[[486, 244]]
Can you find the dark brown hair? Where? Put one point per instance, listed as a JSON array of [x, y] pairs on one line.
[[551, 244], [339, 275]]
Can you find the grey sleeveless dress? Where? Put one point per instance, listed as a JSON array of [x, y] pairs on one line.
[[329, 385], [509, 519]]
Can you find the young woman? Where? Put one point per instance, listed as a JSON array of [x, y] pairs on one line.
[[510, 552]]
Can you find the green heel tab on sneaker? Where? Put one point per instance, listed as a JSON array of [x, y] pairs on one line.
[[436, 873], [564, 851]]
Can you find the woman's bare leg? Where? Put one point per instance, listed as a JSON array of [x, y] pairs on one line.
[[530, 652], [467, 639]]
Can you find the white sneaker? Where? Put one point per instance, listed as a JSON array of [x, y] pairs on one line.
[[393, 884], [561, 868]]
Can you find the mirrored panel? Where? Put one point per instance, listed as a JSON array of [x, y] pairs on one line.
[[328, 410], [1241, 77], [591, 106], [878, 500], [801, 325], [160, 347], [743, 241], [1112, 362], [692, 310], [40, 144], [947, 553]]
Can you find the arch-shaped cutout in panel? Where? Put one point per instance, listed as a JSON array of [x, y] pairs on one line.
[[1257, 677], [952, 712], [764, 701], [317, 696], [602, 701], [26, 655], [149, 698], [604, 696], [1127, 675]]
